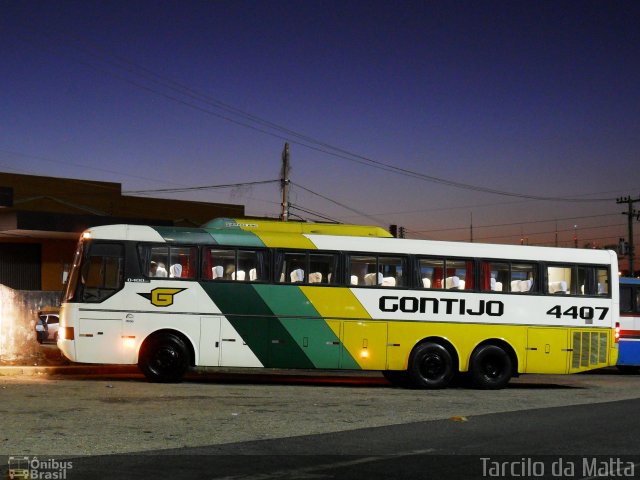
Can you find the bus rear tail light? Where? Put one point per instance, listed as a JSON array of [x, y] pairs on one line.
[[617, 332], [66, 333]]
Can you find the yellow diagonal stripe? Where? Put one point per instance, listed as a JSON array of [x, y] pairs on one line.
[[336, 303]]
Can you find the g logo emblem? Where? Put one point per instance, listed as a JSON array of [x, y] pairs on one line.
[[162, 297]]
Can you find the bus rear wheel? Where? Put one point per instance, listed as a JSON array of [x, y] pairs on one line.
[[430, 366], [164, 359], [490, 368]]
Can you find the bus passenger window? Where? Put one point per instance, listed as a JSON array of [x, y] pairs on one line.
[[582, 286], [182, 262], [495, 276], [219, 264], [293, 267], [153, 260], [393, 271], [249, 266], [322, 268], [459, 275], [602, 281], [559, 280], [626, 299], [431, 273], [362, 270], [523, 278]]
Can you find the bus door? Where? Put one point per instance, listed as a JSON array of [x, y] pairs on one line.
[[222, 345], [99, 338]]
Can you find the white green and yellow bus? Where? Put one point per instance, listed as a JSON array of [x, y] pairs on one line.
[[259, 293]]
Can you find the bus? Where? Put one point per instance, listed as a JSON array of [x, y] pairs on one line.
[[629, 342], [294, 295]]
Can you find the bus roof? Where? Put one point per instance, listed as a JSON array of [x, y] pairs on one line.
[[314, 236], [277, 226]]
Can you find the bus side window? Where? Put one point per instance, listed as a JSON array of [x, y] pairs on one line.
[[582, 286], [393, 271], [602, 281], [154, 260], [459, 275], [182, 261], [431, 272], [218, 264], [323, 268], [292, 267], [363, 270], [626, 299], [559, 280], [252, 266], [523, 278], [495, 276]]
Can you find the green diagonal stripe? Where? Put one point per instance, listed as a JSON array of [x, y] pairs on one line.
[[305, 325], [256, 323]]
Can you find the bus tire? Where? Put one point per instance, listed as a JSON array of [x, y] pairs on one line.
[[431, 366], [490, 368], [164, 359]]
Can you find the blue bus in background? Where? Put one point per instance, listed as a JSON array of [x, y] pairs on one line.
[[629, 344]]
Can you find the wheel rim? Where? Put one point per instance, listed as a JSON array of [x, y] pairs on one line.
[[433, 366], [165, 359], [492, 367]]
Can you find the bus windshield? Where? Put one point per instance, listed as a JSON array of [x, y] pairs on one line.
[[72, 282]]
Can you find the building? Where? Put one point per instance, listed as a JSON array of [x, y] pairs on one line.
[[41, 219]]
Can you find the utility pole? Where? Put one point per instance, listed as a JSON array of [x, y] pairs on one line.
[[630, 213], [284, 183], [471, 229]]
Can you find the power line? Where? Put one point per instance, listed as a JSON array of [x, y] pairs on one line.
[[474, 206], [302, 140], [311, 212], [377, 220]]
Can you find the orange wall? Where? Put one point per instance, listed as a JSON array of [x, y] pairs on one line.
[[55, 254]]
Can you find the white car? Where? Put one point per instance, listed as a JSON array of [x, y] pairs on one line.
[[47, 327]]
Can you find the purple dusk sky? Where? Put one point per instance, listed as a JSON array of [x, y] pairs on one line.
[[531, 98]]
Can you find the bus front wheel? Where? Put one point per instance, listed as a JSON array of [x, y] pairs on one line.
[[164, 359], [490, 368], [431, 366]]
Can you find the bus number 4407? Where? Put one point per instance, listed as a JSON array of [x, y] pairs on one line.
[[585, 313]]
